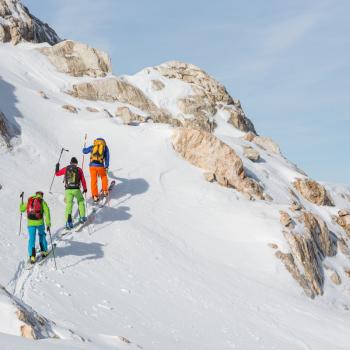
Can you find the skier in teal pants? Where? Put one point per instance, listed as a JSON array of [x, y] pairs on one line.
[[73, 177], [37, 209]]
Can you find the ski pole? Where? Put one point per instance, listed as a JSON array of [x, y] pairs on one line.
[[20, 221], [53, 179], [52, 247], [82, 163]]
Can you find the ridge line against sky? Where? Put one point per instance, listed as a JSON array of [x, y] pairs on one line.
[[288, 62]]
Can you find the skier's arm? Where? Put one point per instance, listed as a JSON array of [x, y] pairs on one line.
[[47, 214], [82, 178], [61, 172], [22, 207], [107, 157], [87, 150]]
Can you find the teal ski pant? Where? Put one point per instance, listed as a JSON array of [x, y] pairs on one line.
[[69, 198], [32, 237]]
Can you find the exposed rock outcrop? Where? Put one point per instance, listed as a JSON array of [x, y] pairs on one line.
[[18, 24], [206, 151], [308, 249], [335, 278], [251, 153], [128, 116], [92, 109], [317, 229], [5, 136], [238, 118], [119, 90], [70, 108], [43, 95], [313, 192], [157, 85], [78, 59], [113, 90], [343, 220], [286, 220], [249, 136]]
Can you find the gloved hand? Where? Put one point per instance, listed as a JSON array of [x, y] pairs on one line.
[[106, 170], [85, 190], [48, 228], [57, 167]]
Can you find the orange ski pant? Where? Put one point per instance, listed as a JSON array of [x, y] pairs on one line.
[[95, 173]]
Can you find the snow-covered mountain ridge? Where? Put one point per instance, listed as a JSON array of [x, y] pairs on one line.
[[17, 24], [175, 261]]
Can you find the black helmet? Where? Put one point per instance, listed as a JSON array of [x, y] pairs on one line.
[[74, 160], [40, 193]]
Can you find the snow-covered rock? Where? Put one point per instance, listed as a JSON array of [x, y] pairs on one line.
[[267, 144], [190, 95], [22, 320], [78, 59], [18, 24]]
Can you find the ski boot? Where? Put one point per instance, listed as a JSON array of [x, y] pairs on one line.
[[82, 219], [69, 223], [95, 199], [44, 254], [32, 259]]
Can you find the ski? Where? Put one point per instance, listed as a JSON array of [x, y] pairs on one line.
[[40, 260], [89, 220], [67, 231], [105, 199], [44, 258]]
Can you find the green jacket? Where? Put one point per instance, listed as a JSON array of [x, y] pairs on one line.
[[23, 208]]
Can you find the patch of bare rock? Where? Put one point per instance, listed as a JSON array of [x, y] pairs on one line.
[[78, 59], [313, 192], [220, 161]]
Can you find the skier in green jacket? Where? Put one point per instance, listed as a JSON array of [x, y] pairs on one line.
[[37, 209]]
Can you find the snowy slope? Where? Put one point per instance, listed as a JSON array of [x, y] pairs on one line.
[[174, 262]]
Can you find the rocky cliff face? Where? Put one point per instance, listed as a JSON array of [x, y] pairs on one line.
[[18, 24]]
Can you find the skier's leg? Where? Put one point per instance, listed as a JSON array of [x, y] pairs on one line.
[[31, 240], [93, 176], [69, 204], [42, 238], [103, 174], [81, 203]]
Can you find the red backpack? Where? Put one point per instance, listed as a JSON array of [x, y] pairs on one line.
[[35, 208]]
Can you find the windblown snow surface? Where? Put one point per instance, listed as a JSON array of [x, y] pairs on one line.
[[174, 262]]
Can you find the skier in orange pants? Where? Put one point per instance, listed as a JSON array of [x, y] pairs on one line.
[[99, 163]]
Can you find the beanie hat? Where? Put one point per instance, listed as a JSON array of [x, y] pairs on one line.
[[74, 160]]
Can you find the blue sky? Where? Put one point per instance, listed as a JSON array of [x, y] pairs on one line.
[[287, 61]]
